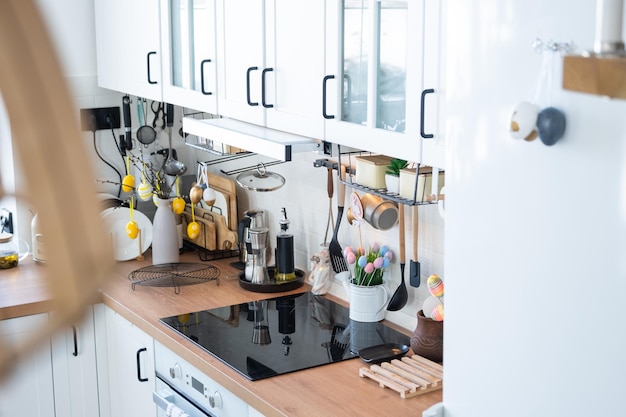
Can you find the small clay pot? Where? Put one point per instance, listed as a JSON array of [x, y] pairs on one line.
[[427, 339]]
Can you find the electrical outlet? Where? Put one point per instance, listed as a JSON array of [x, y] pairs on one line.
[[100, 118]]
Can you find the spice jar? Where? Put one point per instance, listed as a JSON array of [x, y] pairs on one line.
[[9, 253]]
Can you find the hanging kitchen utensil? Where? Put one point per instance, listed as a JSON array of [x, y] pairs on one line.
[[260, 179], [330, 223], [146, 133], [355, 213], [171, 165], [401, 296], [414, 274], [128, 142], [337, 260]]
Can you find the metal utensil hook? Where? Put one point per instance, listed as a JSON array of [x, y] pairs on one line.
[[551, 46], [248, 168]]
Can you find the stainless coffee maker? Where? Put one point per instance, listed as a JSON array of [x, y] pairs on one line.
[[256, 267], [252, 219]]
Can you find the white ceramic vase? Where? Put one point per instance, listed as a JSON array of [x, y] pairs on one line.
[[393, 184], [164, 234]]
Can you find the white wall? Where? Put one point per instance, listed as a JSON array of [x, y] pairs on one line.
[[535, 264]]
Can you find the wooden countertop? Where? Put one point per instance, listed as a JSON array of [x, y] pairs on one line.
[[321, 391]]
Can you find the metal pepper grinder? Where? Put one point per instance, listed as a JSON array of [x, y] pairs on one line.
[[285, 269]]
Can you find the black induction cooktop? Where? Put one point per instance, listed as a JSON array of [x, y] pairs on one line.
[[271, 337]]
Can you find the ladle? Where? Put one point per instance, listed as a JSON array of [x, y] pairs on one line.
[[401, 296], [172, 166]]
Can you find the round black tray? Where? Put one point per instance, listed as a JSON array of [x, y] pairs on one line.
[[273, 286]]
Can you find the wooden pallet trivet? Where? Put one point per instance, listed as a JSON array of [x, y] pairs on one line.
[[409, 376]]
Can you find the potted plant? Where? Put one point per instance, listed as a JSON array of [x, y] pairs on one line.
[[392, 174], [368, 296]]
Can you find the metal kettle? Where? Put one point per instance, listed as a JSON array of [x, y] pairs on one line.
[[252, 219]]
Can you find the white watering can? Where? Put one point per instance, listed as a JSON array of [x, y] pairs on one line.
[[367, 303]]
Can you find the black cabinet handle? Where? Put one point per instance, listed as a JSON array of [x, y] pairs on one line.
[[265, 71], [324, 82], [148, 66], [75, 353], [206, 93], [139, 366], [422, 111], [250, 103]]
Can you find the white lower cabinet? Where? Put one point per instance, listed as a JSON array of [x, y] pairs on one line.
[[59, 378], [28, 390], [74, 369], [131, 375]]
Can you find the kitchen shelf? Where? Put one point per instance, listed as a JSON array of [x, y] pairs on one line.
[[604, 76], [381, 192], [269, 142]]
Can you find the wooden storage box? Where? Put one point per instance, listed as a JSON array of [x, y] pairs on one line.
[[370, 170], [424, 183]]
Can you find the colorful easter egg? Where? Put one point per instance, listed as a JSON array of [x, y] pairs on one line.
[[435, 285], [437, 313]]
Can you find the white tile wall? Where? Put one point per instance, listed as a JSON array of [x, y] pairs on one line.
[[305, 199]]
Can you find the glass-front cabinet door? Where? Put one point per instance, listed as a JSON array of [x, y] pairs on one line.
[[372, 90], [189, 54]]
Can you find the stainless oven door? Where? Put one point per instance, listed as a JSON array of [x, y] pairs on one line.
[[165, 396]]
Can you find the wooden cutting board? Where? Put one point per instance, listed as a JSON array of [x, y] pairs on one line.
[[228, 188], [226, 239], [207, 238]]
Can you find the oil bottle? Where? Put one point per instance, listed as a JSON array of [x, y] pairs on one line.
[[285, 268]]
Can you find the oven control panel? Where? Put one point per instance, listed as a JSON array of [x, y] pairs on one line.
[[196, 386]]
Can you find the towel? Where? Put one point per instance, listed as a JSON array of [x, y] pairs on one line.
[[173, 411]]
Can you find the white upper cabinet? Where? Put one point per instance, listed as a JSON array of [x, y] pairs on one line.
[[128, 47], [271, 63], [189, 54], [375, 60], [432, 104]]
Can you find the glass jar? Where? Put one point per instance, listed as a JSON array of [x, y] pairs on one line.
[[9, 252]]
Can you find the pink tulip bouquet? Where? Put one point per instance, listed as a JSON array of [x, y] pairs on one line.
[[368, 267]]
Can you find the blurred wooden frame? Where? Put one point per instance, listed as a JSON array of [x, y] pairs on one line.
[[49, 147]]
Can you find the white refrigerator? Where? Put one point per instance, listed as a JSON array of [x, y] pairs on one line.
[[535, 235]]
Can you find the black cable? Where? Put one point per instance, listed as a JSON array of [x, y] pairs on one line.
[[119, 189]]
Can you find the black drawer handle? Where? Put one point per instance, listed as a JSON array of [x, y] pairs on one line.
[[324, 83], [250, 103], [265, 71], [422, 111], [139, 365], [206, 93], [150, 81]]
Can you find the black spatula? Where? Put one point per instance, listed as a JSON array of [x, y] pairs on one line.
[[414, 274], [337, 260]]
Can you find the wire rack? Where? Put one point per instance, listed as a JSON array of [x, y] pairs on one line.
[[174, 275]]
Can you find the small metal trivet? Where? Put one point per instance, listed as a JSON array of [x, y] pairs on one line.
[[174, 275]]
